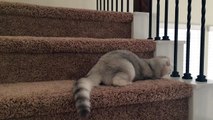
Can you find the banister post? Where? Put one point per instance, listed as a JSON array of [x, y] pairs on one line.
[[158, 21], [201, 77], [116, 4], [127, 7], [112, 1], [166, 37], [150, 19], [187, 75], [175, 73]]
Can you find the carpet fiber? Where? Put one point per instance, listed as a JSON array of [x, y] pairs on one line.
[[32, 20], [52, 58], [54, 97], [44, 49]]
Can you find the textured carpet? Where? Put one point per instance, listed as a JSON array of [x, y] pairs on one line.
[[30, 20], [44, 49], [53, 58], [39, 45], [165, 98]]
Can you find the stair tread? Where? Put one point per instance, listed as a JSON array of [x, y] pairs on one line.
[[24, 57], [19, 19], [51, 97], [32, 10], [30, 44], [28, 58]]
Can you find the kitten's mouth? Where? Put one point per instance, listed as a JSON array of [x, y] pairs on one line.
[[166, 76], [168, 72]]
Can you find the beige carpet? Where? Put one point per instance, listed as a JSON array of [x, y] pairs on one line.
[[44, 49], [32, 99], [31, 20]]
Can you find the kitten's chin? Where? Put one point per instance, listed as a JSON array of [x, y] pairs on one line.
[[166, 76]]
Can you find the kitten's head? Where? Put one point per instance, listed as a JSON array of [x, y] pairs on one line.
[[161, 66]]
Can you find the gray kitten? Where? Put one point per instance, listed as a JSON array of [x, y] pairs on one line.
[[117, 68]]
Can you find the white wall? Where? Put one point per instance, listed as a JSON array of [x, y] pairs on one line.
[[86, 4], [90, 4]]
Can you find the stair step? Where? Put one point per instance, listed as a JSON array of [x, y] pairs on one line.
[[44, 49], [25, 58], [31, 44], [18, 19], [34, 99]]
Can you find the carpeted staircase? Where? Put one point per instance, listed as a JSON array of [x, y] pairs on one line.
[[44, 49]]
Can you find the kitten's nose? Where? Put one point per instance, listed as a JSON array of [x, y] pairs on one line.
[[170, 68]]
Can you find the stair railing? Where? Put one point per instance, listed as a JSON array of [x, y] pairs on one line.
[[201, 77], [105, 5], [150, 19], [187, 75], [175, 73], [158, 21]]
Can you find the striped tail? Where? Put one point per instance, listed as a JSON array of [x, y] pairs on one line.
[[82, 89]]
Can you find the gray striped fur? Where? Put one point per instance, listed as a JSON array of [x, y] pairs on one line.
[[117, 68]]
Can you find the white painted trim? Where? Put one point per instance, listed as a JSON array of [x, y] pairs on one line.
[[180, 26], [140, 25], [210, 28], [166, 48]]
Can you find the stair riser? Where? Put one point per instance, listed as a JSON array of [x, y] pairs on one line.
[[48, 27], [160, 110], [43, 67]]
